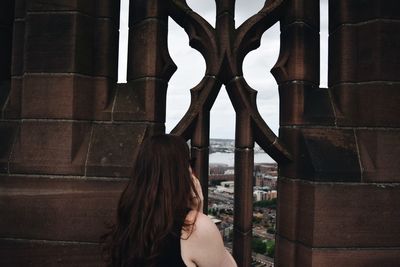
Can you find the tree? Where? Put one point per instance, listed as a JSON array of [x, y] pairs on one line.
[[258, 245], [271, 248]]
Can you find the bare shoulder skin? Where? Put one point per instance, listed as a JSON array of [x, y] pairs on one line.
[[204, 246]]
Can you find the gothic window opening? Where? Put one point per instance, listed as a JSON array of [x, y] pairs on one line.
[[224, 48], [123, 41], [190, 71], [323, 35]]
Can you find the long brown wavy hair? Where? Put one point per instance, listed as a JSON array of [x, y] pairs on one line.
[[160, 192]]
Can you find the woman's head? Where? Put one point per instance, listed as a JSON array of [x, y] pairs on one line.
[[161, 190]]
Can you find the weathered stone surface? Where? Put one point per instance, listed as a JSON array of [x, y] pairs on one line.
[[148, 53], [105, 49], [379, 154], [367, 104], [17, 66], [356, 257], [292, 254], [84, 6], [51, 147], [355, 11], [113, 149], [305, 104], [108, 9], [59, 43], [12, 107], [141, 100], [64, 96], [47, 208], [8, 132], [144, 9], [299, 56], [316, 210], [321, 154], [368, 59], [20, 9], [302, 10], [41, 253]]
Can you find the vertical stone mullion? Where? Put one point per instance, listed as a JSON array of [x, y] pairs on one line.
[[243, 205], [149, 64], [200, 143], [297, 69]]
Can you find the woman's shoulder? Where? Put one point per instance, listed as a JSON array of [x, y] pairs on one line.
[[203, 231], [203, 246], [202, 225]]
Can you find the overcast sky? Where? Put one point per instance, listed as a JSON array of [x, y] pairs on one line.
[[191, 67]]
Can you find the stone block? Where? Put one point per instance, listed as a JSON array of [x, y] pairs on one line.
[[8, 132], [356, 11], [59, 43], [371, 55], [17, 61], [143, 9], [83, 6], [47, 208], [93, 98], [292, 254], [51, 147], [340, 215], [321, 154], [301, 164], [43, 253], [333, 153], [369, 257], [380, 155], [113, 149], [5, 87], [105, 54], [148, 51], [296, 204], [305, 104], [141, 100], [20, 9], [108, 9], [12, 109], [65, 96], [287, 205], [127, 105], [299, 59], [302, 10], [368, 104], [285, 252]]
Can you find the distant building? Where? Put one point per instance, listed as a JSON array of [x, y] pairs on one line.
[[226, 187], [259, 195]]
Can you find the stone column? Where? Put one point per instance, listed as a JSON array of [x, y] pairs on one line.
[[338, 201], [64, 70]]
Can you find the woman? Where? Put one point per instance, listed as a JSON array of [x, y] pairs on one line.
[[159, 218]]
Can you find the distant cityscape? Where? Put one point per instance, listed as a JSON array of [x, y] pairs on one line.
[[221, 198]]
